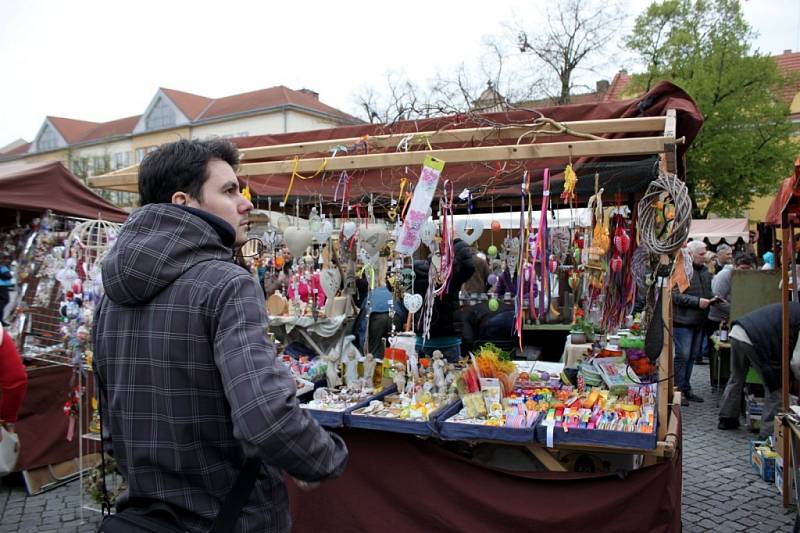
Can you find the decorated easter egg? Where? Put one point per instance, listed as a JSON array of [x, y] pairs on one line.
[[494, 305], [491, 251]]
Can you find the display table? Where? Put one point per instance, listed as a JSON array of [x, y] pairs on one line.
[[575, 353], [405, 483], [320, 335]]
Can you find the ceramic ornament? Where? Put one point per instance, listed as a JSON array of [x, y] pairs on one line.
[[491, 251], [413, 302], [330, 279], [283, 222], [494, 305], [373, 238], [297, 240], [349, 229], [427, 233], [462, 227], [324, 233]]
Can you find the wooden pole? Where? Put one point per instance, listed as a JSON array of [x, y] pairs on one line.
[[665, 386], [786, 349]]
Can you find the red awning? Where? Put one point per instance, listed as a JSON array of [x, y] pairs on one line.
[[43, 186], [491, 175], [787, 191]]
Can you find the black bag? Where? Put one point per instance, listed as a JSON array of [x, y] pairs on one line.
[[153, 516]]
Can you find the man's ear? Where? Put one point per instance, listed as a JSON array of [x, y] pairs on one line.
[[179, 198]]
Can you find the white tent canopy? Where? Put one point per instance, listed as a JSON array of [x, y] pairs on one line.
[[715, 230]]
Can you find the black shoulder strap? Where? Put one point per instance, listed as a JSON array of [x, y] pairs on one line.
[[237, 497]]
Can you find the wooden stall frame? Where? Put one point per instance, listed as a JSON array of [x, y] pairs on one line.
[[664, 145]]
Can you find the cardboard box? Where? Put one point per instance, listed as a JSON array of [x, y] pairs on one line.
[[752, 414], [778, 433], [762, 459]]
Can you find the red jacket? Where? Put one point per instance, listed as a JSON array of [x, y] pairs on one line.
[[13, 380]]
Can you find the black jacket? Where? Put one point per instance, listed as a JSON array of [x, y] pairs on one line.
[[764, 327], [686, 310], [443, 322]]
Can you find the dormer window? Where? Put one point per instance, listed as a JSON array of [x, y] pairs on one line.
[[161, 116], [48, 140]]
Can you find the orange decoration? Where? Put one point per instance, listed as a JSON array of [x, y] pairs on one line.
[[496, 225], [279, 261]]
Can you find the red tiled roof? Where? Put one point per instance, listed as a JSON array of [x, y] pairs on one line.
[[20, 149], [789, 63], [72, 130], [121, 126], [190, 104], [265, 98], [618, 85]]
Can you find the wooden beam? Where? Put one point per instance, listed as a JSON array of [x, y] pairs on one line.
[[390, 141], [550, 463], [599, 148], [671, 152], [665, 386], [786, 349]]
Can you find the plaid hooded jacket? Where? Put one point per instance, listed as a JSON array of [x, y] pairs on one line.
[[190, 384]]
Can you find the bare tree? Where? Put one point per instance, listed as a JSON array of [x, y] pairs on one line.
[[575, 32], [464, 89]]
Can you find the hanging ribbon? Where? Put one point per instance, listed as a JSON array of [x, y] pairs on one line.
[[295, 164], [446, 246]]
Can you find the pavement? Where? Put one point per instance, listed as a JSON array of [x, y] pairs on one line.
[[721, 492]]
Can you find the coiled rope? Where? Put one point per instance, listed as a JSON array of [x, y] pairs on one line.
[[665, 215]]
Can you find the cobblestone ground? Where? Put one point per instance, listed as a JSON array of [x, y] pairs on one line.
[[720, 491]]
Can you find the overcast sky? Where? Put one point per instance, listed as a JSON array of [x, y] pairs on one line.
[[102, 60]]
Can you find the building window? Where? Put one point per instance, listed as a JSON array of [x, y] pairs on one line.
[[48, 140], [122, 159], [161, 116], [140, 153]]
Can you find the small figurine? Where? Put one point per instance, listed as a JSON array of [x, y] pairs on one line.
[[438, 372], [351, 356], [369, 370], [332, 372], [351, 368], [400, 377], [413, 366]]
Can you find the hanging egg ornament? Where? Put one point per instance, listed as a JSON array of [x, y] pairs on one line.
[[494, 305], [492, 251], [491, 279], [573, 280], [496, 225], [616, 263], [577, 256], [553, 265], [279, 262], [622, 242]]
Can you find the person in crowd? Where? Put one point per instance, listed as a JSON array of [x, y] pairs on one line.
[[724, 257], [189, 385], [13, 381], [769, 261], [445, 330], [477, 284], [757, 339], [711, 262], [6, 286], [481, 324], [277, 279], [721, 289], [689, 311]]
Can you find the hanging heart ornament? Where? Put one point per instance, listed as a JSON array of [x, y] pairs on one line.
[[324, 232], [373, 238], [349, 229], [297, 240], [413, 302], [463, 226], [283, 222], [330, 279], [427, 232], [622, 242]]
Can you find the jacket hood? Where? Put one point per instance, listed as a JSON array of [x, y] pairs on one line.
[[157, 244]]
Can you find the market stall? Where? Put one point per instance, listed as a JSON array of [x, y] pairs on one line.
[[53, 251], [785, 212], [395, 189]]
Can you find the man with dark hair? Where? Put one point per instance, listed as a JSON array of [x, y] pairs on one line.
[[189, 384]]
